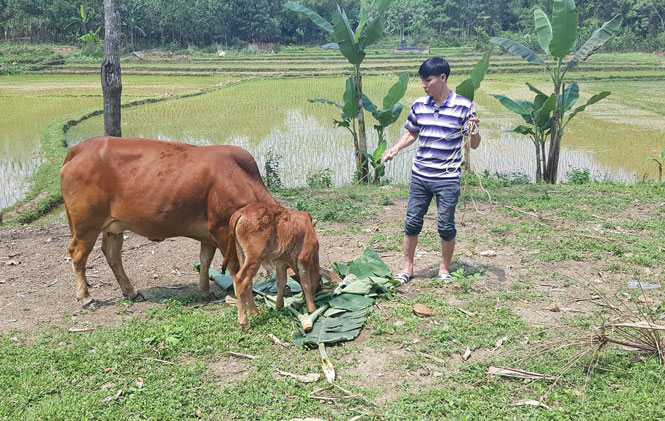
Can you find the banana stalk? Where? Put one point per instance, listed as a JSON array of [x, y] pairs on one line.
[[327, 366], [307, 320]]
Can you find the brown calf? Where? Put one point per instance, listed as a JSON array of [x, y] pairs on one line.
[[271, 235]]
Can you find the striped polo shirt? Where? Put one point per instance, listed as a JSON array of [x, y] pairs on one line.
[[439, 159]]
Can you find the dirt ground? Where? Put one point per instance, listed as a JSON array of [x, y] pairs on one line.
[[37, 284], [37, 280]]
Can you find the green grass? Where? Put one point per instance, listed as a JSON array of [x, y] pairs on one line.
[[70, 376]]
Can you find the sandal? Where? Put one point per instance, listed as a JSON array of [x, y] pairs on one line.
[[445, 277], [403, 277]]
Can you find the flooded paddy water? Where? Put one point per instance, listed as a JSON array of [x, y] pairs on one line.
[[610, 140]]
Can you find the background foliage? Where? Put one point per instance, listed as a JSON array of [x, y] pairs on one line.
[[237, 22]]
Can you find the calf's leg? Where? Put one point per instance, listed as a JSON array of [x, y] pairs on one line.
[[281, 284], [243, 287], [306, 284]]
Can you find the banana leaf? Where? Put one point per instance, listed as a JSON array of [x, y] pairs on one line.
[[570, 96], [344, 36], [479, 70], [296, 301], [224, 280], [396, 92], [351, 302], [316, 18], [597, 39], [519, 50], [591, 101], [325, 101], [536, 90], [382, 5], [363, 17], [350, 108], [352, 284], [369, 264], [516, 106], [466, 89], [543, 29], [269, 285], [372, 33], [522, 129], [336, 325], [564, 28], [469, 86]]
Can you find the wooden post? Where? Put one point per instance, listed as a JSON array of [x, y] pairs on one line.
[[111, 80]]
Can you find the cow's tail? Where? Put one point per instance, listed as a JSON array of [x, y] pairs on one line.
[[231, 251]]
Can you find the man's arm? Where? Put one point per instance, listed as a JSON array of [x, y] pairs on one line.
[[405, 141]]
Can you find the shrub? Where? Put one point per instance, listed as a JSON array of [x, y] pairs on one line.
[[272, 170], [320, 178], [579, 177]]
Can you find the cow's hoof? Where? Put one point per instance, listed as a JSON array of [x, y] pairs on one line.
[[246, 327], [88, 303], [138, 298]]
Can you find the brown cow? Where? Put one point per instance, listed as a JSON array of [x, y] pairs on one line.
[[158, 190], [264, 234]]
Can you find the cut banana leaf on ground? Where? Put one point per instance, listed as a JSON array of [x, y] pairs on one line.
[[224, 280], [269, 285], [341, 313], [295, 301], [352, 284], [336, 325], [369, 264], [350, 302]]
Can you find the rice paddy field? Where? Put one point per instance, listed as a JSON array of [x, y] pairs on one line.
[[260, 102]]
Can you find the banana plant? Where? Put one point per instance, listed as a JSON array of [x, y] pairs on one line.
[[538, 114], [468, 90], [352, 44], [80, 21], [558, 39], [538, 117], [349, 111], [385, 117], [660, 164]]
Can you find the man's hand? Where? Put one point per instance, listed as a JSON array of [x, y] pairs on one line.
[[473, 125], [474, 132], [404, 142], [390, 154]]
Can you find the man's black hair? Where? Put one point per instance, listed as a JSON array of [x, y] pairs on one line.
[[434, 66]]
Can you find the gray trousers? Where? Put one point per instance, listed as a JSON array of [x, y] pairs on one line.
[[420, 196]]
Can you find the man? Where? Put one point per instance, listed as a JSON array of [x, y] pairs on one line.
[[438, 119]]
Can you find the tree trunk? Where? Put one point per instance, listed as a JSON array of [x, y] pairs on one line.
[[539, 172], [111, 78], [552, 168], [543, 156], [362, 136]]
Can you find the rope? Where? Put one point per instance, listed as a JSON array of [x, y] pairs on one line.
[[471, 130]]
